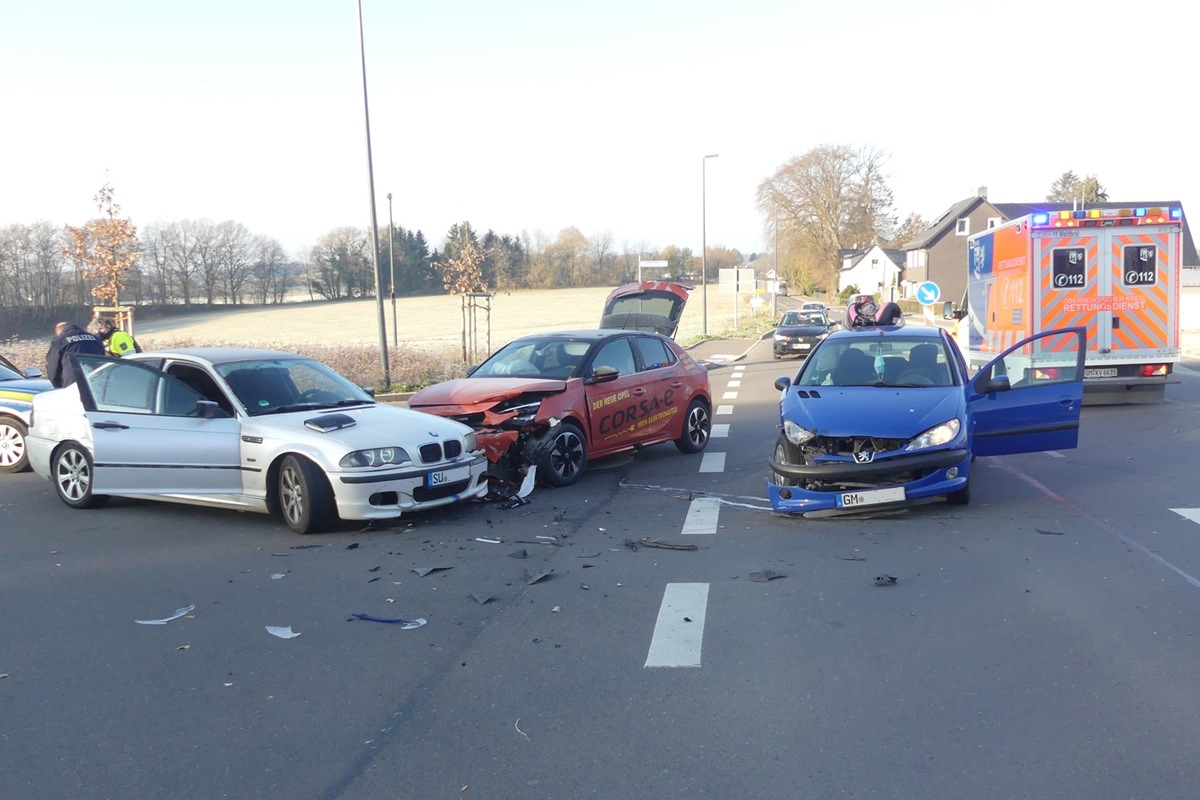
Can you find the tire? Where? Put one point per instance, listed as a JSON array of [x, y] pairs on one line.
[[13, 455], [563, 455], [961, 497], [697, 425], [787, 453], [72, 472], [305, 499]]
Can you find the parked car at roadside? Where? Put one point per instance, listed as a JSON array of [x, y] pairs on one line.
[[249, 430], [799, 332], [17, 390]]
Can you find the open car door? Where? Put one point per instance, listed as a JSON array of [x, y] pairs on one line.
[[651, 306], [1029, 397]]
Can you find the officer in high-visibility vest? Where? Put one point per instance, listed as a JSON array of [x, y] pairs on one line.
[[116, 341]]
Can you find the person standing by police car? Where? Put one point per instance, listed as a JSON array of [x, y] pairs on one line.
[[116, 341], [68, 338]]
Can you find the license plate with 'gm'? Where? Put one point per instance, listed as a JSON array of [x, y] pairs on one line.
[[445, 476], [1100, 372], [870, 497]]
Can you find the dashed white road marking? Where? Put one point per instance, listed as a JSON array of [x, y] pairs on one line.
[[734, 385], [679, 631], [721, 357], [1055, 454], [723, 410], [719, 431], [1187, 513], [729, 396], [702, 516], [713, 462]]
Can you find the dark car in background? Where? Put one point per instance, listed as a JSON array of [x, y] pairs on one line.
[[799, 331]]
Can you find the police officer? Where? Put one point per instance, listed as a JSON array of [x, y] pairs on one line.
[[68, 338], [116, 341]]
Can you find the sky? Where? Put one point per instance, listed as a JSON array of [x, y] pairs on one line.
[[532, 116]]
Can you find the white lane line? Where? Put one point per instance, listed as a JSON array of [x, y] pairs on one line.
[[702, 516], [1187, 513], [734, 385], [723, 410], [721, 357], [729, 396], [1055, 454], [713, 462], [720, 431], [679, 631]]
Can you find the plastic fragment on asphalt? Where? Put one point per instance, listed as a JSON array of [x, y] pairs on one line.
[[179, 612], [532, 578], [485, 540], [588, 554], [522, 553], [1049, 533], [423, 571], [282, 633], [482, 598], [647, 542], [277, 576], [527, 483], [405, 624], [762, 576], [885, 580]]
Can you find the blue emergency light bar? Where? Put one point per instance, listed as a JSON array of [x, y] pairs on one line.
[[1041, 219]]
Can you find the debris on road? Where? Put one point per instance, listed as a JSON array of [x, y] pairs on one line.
[[648, 542], [765, 575], [1049, 533], [588, 554], [282, 633], [179, 612], [853, 557], [482, 598], [423, 571], [522, 553], [885, 580], [486, 540], [532, 578], [405, 624]]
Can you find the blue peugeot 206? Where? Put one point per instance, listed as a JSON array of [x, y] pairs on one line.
[[883, 416]]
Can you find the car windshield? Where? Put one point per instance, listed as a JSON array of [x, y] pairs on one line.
[[536, 358], [275, 386], [7, 374], [893, 361], [798, 318]]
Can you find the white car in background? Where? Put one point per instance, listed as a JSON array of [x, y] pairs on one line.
[[251, 430]]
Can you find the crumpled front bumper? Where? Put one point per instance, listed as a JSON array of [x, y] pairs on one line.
[[798, 500]]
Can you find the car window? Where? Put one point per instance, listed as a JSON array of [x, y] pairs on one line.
[[790, 318], [617, 354], [130, 387], [1050, 359], [280, 385], [202, 383], [654, 353], [909, 362]]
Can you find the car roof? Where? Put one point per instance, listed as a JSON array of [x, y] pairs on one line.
[[592, 335], [911, 331], [220, 355]]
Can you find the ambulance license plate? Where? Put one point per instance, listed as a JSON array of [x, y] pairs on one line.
[[1100, 372], [446, 476], [870, 497]]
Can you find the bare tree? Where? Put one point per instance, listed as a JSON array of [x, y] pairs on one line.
[[235, 257], [828, 199]]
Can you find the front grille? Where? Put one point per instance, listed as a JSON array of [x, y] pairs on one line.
[[452, 448], [423, 494], [431, 453], [848, 446]]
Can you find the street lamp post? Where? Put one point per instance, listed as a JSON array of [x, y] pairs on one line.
[[704, 234], [383, 350], [392, 261]]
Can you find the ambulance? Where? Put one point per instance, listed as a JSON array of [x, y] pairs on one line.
[[1114, 272]]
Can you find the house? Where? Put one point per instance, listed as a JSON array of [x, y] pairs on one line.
[[876, 271], [939, 253]]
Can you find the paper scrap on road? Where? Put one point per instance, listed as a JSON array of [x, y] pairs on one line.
[[282, 633], [423, 571], [179, 612]]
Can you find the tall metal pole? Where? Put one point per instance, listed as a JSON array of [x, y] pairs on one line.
[[704, 235], [383, 349], [392, 259]]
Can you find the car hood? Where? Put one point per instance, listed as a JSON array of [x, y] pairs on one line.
[[802, 330], [652, 306], [885, 413], [475, 392], [366, 426]]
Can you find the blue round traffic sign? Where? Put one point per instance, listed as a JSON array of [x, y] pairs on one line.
[[928, 293]]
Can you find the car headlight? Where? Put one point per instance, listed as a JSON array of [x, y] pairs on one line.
[[795, 434], [937, 435], [469, 445], [523, 410], [376, 457], [779, 337]]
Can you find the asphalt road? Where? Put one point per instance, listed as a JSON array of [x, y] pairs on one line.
[[1040, 642]]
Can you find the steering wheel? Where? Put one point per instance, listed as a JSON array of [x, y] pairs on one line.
[[914, 378], [318, 396]]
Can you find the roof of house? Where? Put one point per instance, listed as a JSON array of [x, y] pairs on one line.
[[851, 258], [944, 223]]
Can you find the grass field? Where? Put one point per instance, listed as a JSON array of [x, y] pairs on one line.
[[345, 334]]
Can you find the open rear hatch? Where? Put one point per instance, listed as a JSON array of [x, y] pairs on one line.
[[653, 306]]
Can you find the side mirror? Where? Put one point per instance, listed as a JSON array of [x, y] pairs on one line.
[[471, 369], [783, 384], [207, 409], [603, 375], [370, 390], [990, 385]]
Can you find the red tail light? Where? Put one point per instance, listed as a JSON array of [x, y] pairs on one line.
[[1047, 374], [1153, 370]]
